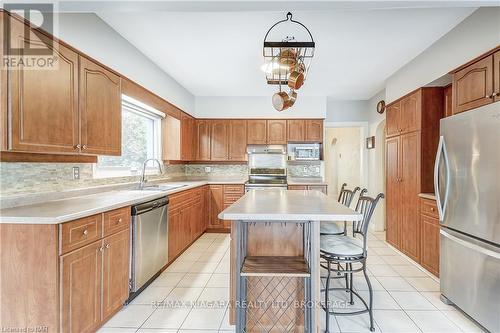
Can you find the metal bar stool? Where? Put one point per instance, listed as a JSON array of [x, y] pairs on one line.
[[345, 198], [339, 253]]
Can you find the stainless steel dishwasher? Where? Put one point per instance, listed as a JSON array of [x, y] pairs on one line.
[[149, 248]]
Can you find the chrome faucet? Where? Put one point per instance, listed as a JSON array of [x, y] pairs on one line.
[[143, 176]]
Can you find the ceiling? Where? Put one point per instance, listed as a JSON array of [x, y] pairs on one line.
[[219, 53]]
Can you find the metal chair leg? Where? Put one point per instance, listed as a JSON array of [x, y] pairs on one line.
[[370, 308], [327, 311], [351, 284]]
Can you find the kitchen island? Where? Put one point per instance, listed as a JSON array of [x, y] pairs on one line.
[[275, 272]]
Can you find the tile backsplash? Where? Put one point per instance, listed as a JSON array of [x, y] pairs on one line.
[[30, 178]]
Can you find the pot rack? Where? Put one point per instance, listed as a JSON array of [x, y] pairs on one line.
[[272, 51]]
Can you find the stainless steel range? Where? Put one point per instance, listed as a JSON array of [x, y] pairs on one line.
[[267, 167]]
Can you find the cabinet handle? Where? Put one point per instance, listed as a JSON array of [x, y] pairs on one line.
[[107, 246], [490, 96], [85, 232], [495, 94], [78, 146]]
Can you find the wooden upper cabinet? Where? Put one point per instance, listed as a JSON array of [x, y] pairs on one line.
[[186, 137], [257, 131], [276, 132], [393, 119], [81, 283], [295, 130], [473, 85], [410, 113], [448, 100], [203, 136], [238, 140], [100, 110], [219, 140], [314, 130], [115, 272], [43, 102], [496, 75]]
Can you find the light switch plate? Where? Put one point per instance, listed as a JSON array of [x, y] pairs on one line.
[[208, 169], [76, 173]]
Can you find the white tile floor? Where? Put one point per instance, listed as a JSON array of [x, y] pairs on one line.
[[195, 291]]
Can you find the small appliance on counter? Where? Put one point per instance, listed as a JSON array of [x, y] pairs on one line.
[[304, 152], [267, 167]]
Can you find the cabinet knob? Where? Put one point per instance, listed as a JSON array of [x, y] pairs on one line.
[[432, 209], [495, 94], [85, 232], [101, 249], [78, 146], [119, 220], [490, 96], [84, 146], [107, 246]]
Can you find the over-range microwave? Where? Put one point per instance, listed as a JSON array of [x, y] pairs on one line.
[[307, 152]]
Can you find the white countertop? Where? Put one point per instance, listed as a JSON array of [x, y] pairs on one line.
[[64, 210], [278, 205]]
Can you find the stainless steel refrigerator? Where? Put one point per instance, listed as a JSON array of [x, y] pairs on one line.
[[467, 185]]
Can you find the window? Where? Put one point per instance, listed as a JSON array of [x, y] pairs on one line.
[[141, 139]]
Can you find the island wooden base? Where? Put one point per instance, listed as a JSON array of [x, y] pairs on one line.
[[275, 240]]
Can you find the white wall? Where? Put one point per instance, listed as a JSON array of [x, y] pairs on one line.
[[346, 111], [475, 35], [258, 107], [88, 33]]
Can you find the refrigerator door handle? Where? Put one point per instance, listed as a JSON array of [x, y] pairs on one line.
[[441, 204], [471, 246]]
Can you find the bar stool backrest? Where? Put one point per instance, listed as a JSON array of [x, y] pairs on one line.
[[346, 195], [366, 206]]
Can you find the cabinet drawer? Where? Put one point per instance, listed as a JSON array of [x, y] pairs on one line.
[[80, 232], [234, 189], [116, 220], [230, 198], [428, 207]]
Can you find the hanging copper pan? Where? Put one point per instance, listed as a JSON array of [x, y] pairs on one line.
[[292, 97], [296, 80], [281, 101]]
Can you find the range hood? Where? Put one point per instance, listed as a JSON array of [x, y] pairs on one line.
[[266, 149]]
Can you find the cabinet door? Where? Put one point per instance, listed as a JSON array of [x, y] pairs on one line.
[[100, 110], [448, 101], [238, 140], [219, 140], [276, 132], [256, 132], [216, 205], [410, 113], [473, 85], [496, 75], [392, 198], [174, 216], [186, 137], [314, 130], [393, 119], [43, 103], [203, 146], [115, 272], [295, 130], [81, 287], [409, 213], [430, 244]]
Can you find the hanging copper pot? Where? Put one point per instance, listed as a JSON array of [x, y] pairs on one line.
[[281, 101], [296, 79], [292, 97], [288, 57]]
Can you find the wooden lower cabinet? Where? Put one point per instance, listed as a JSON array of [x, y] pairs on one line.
[[429, 235], [186, 220], [216, 205], [81, 288]]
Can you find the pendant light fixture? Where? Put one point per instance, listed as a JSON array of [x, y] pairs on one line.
[[287, 62]]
